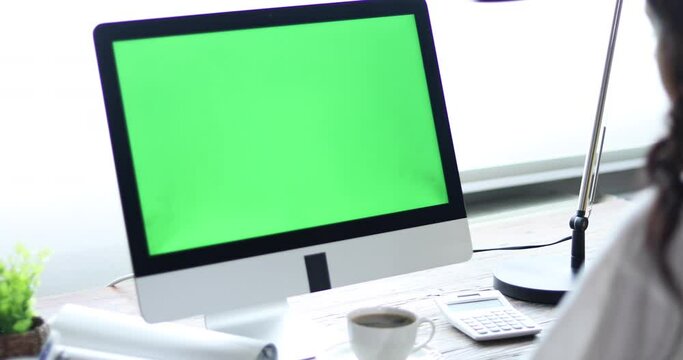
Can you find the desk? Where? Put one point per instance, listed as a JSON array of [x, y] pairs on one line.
[[415, 291]]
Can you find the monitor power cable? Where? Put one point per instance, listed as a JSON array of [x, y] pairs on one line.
[[120, 279], [123, 278], [523, 247]]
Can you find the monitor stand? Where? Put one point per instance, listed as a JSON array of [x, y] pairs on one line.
[[292, 333]]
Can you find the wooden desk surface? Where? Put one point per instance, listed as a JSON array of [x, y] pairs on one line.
[[416, 291]]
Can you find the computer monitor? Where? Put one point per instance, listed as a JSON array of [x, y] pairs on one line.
[[267, 153]]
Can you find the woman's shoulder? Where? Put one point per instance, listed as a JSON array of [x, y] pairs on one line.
[[618, 289], [628, 271], [627, 247], [629, 235]]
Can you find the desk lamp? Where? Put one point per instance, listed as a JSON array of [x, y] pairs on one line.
[[547, 279]]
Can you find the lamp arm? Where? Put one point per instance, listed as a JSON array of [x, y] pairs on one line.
[[579, 222], [589, 165]]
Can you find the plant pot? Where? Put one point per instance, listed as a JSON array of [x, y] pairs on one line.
[[25, 344]]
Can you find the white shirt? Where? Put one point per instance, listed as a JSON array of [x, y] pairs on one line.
[[621, 308]]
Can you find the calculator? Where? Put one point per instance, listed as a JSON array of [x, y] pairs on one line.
[[485, 315]]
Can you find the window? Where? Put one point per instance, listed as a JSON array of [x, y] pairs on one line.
[[521, 81]]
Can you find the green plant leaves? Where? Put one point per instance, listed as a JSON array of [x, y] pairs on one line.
[[22, 325], [19, 275]]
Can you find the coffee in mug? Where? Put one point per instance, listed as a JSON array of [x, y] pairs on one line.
[[385, 333]]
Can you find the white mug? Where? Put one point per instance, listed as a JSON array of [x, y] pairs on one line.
[[385, 333]]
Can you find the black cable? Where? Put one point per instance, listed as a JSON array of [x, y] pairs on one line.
[[524, 247]]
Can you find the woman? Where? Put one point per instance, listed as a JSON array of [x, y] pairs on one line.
[[630, 305]]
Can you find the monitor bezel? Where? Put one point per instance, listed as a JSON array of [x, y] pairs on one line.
[[145, 264]]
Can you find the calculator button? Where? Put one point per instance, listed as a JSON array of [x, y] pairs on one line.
[[495, 330], [482, 332], [529, 325], [516, 326], [506, 328]]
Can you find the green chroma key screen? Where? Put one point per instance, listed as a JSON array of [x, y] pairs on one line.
[[245, 133]]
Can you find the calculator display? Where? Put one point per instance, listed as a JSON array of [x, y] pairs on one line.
[[475, 305]]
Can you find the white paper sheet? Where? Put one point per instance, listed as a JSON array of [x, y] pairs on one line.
[[105, 331]]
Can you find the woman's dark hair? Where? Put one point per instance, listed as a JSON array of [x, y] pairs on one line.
[[665, 161]]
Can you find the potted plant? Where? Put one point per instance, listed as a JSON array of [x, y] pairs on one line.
[[22, 333]]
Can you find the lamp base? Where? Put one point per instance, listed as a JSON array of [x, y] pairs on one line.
[[537, 279]]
